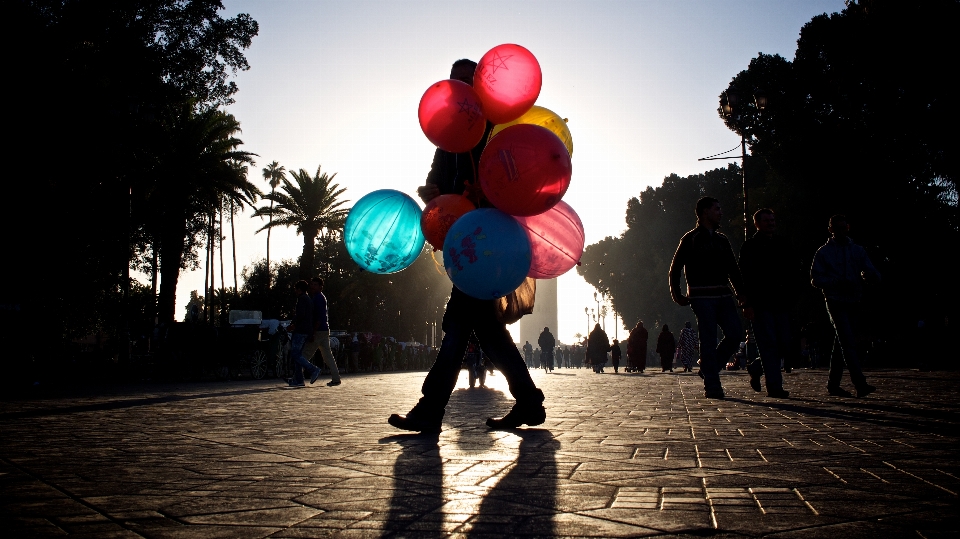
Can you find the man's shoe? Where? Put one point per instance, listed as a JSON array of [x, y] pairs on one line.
[[865, 390], [291, 383], [332, 383], [839, 392], [778, 393], [755, 383], [414, 423], [316, 375], [714, 394], [528, 414]]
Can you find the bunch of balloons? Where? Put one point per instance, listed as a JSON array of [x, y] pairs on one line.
[[524, 171]]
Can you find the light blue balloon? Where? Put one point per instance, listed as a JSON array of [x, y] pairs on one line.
[[487, 253], [382, 232]]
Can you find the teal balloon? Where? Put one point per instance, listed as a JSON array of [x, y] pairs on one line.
[[382, 232], [487, 253]]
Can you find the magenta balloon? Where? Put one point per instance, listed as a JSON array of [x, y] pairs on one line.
[[525, 170], [451, 116], [508, 80], [556, 239]]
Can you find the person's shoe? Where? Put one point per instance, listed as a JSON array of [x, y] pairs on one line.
[[291, 383], [316, 374], [865, 390], [413, 423], [521, 414], [755, 383], [778, 393], [839, 392], [700, 373], [332, 383], [714, 394]]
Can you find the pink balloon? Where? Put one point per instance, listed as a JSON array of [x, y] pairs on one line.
[[439, 216], [525, 170], [451, 116], [556, 238], [508, 80]]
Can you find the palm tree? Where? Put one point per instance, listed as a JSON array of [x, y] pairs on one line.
[[273, 173], [311, 205], [199, 164]]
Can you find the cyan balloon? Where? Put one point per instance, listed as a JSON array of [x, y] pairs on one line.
[[382, 233], [486, 253]]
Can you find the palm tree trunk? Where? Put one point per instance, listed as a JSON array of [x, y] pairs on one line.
[[269, 228], [233, 242], [172, 233], [206, 276], [309, 253], [223, 282]]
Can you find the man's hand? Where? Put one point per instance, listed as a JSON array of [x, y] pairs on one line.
[[682, 301], [428, 192]]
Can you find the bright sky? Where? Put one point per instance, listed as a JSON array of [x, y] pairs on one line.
[[337, 83]]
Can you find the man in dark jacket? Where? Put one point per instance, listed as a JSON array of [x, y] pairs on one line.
[[547, 343], [302, 328], [706, 260], [771, 274], [450, 173], [839, 269]]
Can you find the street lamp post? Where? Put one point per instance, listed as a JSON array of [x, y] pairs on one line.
[[586, 311], [732, 109]]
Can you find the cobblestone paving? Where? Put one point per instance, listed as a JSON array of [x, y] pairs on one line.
[[620, 455]]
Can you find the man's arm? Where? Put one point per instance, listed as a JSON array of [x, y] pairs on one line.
[[733, 273], [676, 268], [819, 274], [431, 188], [869, 271]]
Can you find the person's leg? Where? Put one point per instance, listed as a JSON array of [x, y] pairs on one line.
[[843, 315], [729, 321], [323, 340], [296, 354], [706, 312], [765, 330]]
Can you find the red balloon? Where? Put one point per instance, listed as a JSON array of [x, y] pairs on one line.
[[439, 216], [451, 116], [525, 170], [508, 80], [556, 238]]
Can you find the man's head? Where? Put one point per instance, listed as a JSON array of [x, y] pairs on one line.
[[839, 226], [666, 328], [616, 341], [639, 323], [546, 330], [462, 70], [765, 221], [316, 285], [709, 213], [301, 286]]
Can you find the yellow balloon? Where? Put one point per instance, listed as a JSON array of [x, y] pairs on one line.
[[544, 118]]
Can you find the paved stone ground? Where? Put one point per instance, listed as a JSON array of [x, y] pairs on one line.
[[619, 455]]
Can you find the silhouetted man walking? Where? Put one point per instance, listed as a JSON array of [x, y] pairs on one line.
[[464, 315], [839, 269], [707, 261], [547, 343], [771, 273]]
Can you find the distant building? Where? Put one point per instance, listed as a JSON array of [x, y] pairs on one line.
[[544, 314]]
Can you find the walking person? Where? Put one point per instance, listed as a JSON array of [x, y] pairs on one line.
[[302, 328], [528, 354], [615, 354], [320, 339], [637, 348], [839, 269], [449, 174], [597, 347], [687, 347], [547, 343], [771, 277], [666, 347], [709, 266]]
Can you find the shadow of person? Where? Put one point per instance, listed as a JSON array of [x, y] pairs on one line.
[[418, 484], [524, 501]]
